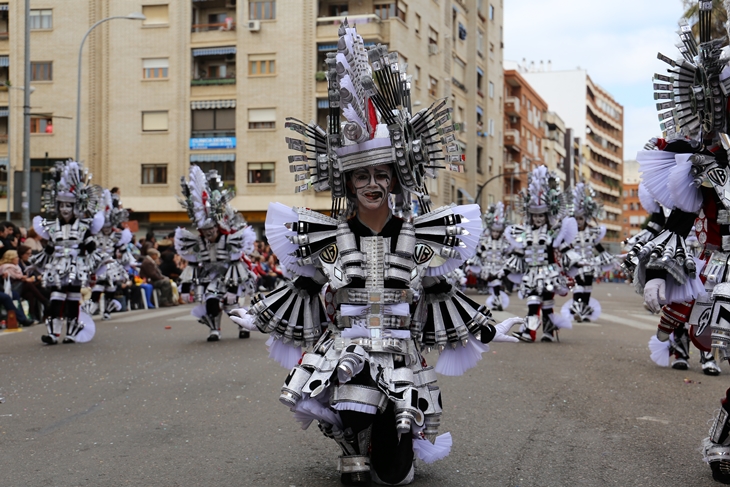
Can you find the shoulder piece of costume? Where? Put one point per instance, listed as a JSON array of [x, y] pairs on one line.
[[187, 244], [240, 242]]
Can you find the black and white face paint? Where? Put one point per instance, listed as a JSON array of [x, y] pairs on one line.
[[581, 220], [66, 210], [372, 185], [538, 219], [210, 234]]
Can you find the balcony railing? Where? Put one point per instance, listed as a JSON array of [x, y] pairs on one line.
[[512, 106], [212, 81], [512, 138], [3, 138], [4, 36], [223, 26], [209, 134]]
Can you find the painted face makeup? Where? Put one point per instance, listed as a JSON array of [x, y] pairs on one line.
[[66, 210], [496, 234], [538, 219], [372, 186], [581, 220], [210, 234]]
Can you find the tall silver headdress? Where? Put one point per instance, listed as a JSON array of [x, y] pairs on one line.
[[370, 123], [543, 195], [206, 201], [692, 100], [71, 182], [114, 214], [494, 217], [585, 202]]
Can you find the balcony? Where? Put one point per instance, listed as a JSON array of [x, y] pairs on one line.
[[213, 22], [512, 139], [212, 81], [512, 106], [369, 26]]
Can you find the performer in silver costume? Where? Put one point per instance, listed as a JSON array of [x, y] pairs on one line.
[[71, 205], [491, 255], [218, 273], [689, 174], [532, 262], [364, 378], [112, 241], [586, 258]]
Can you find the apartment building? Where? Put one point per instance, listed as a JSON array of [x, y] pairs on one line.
[[597, 119], [211, 82], [524, 131], [634, 215]]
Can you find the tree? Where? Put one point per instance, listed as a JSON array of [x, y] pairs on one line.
[[719, 18]]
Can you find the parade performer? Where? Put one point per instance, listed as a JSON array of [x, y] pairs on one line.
[[586, 258], [689, 174], [113, 241], [71, 206], [364, 378], [218, 272], [532, 262], [492, 253]]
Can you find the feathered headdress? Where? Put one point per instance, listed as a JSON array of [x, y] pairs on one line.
[[206, 201], [369, 124], [585, 202], [692, 100], [494, 217], [71, 182], [114, 214], [543, 195]]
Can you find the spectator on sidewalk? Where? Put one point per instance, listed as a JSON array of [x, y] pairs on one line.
[[150, 271]]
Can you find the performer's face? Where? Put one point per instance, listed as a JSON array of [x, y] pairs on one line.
[[66, 210], [106, 230], [538, 219], [496, 234], [581, 222], [210, 234], [372, 185]]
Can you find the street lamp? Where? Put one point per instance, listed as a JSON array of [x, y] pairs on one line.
[[132, 16]]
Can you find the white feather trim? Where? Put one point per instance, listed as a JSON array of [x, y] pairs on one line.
[[647, 200], [472, 224], [601, 233], [430, 452], [308, 410], [560, 322], [456, 361], [97, 222], [353, 406], [249, 239], [198, 311], [596, 306], [686, 196], [567, 233], [89, 330], [690, 290], [125, 237], [659, 351], [276, 233], [655, 167], [39, 228], [284, 354]]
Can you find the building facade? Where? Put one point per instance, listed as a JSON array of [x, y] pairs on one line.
[[211, 82], [634, 215], [597, 120]]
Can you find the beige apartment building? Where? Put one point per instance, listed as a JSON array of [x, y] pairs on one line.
[[211, 82]]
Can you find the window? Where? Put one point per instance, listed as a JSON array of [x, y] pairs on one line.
[[262, 10], [41, 125], [154, 173], [433, 86], [433, 36], [155, 68], [338, 10], [219, 122], [41, 71], [480, 80], [41, 19], [418, 24], [491, 164], [260, 172], [226, 169], [261, 118], [390, 10], [480, 152], [156, 15], [417, 76], [491, 127], [480, 42], [491, 90], [154, 121], [261, 65], [462, 32], [491, 12]]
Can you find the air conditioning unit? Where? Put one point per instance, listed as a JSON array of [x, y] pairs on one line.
[[433, 49], [254, 25]]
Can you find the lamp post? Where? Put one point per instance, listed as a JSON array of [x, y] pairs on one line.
[[132, 16], [11, 175]]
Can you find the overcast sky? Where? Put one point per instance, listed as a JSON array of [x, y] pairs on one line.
[[615, 41]]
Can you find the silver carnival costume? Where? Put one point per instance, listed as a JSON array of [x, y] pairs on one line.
[[586, 258], [491, 255], [532, 263], [71, 206], [218, 272], [113, 242], [364, 379], [689, 174]]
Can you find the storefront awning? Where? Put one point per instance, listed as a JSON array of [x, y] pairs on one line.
[[212, 104], [212, 158], [216, 51]]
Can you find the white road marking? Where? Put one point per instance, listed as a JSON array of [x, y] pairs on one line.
[[652, 418], [148, 314]]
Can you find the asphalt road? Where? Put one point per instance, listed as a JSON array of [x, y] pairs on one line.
[[145, 405]]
